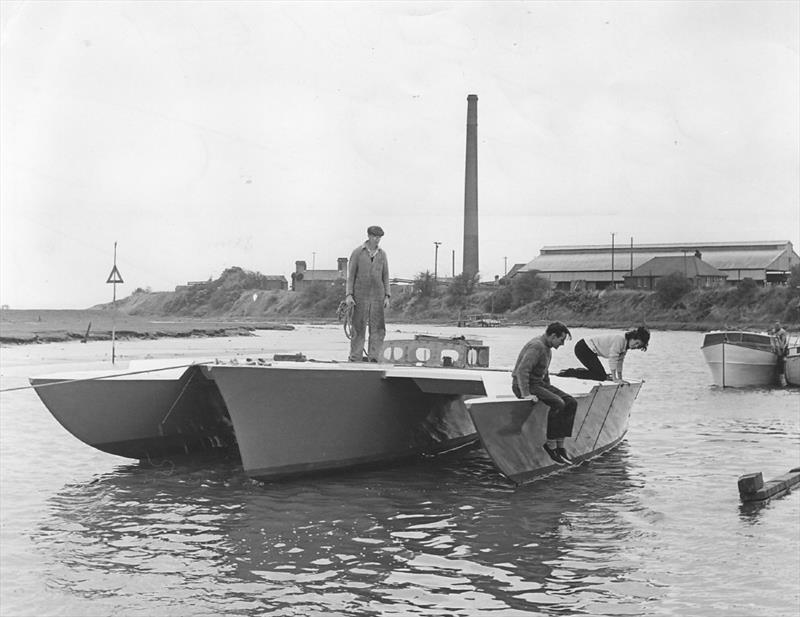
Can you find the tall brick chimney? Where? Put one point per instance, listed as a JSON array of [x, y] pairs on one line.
[[471, 189]]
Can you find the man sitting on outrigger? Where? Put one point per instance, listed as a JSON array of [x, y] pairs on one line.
[[530, 380]]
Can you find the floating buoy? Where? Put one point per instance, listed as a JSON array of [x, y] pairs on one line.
[[753, 488]]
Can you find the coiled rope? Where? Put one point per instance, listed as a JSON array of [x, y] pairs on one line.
[[345, 314]]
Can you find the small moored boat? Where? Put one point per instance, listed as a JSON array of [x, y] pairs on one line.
[[739, 359]]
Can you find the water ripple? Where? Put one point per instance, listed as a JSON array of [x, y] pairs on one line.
[[653, 528]]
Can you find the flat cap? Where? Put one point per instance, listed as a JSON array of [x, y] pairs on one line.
[[374, 230]]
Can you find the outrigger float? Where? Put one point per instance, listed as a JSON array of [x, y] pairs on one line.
[[292, 416]]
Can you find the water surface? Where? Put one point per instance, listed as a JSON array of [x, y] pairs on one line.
[[653, 528]]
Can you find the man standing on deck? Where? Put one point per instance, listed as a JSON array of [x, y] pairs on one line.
[[368, 292], [530, 379]]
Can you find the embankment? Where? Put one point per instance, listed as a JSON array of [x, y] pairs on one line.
[[222, 308]]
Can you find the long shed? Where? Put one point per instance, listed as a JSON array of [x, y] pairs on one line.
[[596, 266]]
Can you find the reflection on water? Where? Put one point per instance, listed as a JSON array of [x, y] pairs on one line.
[[652, 528], [420, 539]]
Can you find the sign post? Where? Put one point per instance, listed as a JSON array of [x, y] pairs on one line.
[[114, 278]]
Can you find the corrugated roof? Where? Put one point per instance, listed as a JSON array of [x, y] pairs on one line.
[[733, 260], [674, 247], [600, 260], [514, 269], [595, 276]]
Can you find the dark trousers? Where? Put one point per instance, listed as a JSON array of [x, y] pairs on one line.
[[561, 415], [590, 360]]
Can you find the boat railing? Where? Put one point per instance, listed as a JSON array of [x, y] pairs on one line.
[[424, 350], [753, 340]]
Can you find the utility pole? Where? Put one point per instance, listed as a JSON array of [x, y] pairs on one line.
[[612, 260], [436, 260], [631, 272], [313, 264], [505, 266]]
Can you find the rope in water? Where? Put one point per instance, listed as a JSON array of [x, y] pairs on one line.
[[98, 377]]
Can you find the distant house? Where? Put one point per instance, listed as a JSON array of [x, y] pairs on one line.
[[700, 273], [275, 281], [302, 277], [400, 287]]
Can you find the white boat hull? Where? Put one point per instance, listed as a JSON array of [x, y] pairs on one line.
[[748, 361]]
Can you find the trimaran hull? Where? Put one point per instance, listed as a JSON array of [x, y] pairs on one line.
[[286, 419]]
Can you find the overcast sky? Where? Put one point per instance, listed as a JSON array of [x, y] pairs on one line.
[[204, 135]]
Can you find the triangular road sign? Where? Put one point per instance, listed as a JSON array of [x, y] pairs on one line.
[[115, 276]]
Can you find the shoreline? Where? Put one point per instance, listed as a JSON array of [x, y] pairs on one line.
[[38, 327], [30, 327], [120, 335]]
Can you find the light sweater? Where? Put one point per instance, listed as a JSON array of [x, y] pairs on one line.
[[610, 346]]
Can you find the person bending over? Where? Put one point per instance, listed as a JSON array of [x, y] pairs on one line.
[[613, 347]]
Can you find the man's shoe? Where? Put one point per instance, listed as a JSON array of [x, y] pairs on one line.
[[553, 454], [564, 456]]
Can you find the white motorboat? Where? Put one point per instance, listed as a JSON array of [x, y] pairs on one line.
[[739, 359]]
